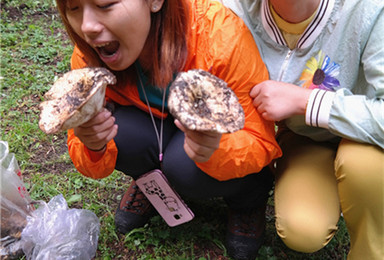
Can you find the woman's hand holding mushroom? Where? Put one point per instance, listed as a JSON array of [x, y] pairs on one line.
[[199, 145], [98, 131]]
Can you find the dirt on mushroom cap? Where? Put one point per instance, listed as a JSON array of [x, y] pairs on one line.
[[204, 102], [74, 99]]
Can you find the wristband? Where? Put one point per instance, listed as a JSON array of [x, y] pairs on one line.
[[97, 150]]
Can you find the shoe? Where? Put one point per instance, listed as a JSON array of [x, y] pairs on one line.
[[134, 210], [245, 233]]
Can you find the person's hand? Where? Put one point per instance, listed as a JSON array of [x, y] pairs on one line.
[[199, 145], [98, 131], [276, 101]]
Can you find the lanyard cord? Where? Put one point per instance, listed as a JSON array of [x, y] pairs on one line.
[[159, 136]]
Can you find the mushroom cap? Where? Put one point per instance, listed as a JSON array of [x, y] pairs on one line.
[[204, 102], [74, 99]]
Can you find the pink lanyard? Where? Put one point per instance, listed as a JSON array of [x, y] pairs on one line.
[[159, 136]]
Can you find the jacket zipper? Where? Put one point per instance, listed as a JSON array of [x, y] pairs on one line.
[[285, 64]]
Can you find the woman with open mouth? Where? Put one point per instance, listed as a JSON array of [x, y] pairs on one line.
[[146, 43]]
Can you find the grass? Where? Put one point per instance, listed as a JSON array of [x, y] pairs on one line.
[[34, 52]]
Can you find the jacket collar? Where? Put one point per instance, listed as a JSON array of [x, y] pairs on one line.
[[310, 34]]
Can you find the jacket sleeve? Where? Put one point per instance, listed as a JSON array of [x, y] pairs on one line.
[[85, 161], [252, 148], [352, 116], [88, 164]]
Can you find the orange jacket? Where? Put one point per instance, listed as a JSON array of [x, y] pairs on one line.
[[220, 42]]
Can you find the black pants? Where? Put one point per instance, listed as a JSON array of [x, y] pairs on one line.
[[138, 153]]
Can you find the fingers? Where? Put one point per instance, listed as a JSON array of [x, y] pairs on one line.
[[200, 149], [206, 138], [205, 133], [276, 101], [258, 104], [263, 99], [199, 145], [256, 94], [255, 91], [180, 126], [98, 131], [199, 155], [100, 123], [100, 118], [99, 140]]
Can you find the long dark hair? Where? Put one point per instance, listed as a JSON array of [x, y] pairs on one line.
[[168, 33]]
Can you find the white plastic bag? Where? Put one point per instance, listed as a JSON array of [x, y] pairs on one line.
[[56, 232], [15, 204], [52, 231]]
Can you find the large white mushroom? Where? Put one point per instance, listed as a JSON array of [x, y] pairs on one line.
[[74, 98], [204, 102]]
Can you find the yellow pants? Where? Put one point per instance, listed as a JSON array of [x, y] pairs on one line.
[[314, 179]]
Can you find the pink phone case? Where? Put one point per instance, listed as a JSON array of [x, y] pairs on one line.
[[165, 200]]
